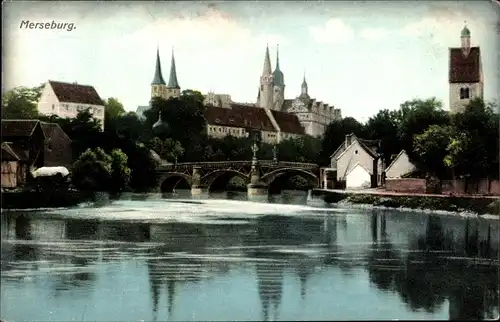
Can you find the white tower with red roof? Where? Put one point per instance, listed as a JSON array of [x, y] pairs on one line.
[[465, 73]]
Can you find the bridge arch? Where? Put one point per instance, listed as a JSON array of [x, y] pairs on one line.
[[219, 179], [169, 181], [276, 179]]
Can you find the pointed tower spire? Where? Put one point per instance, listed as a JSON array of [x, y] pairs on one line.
[[172, 80], [277, 57], [279, 78], [267, 63], [158, 77]]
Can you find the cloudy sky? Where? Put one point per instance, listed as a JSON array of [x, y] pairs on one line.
[[359, 56]]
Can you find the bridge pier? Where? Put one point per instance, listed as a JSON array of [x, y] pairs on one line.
[[256, 187], [197, 189]]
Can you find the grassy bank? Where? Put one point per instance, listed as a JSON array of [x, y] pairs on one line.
[[480, 205]]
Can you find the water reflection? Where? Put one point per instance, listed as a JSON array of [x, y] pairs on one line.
[[433, 264]]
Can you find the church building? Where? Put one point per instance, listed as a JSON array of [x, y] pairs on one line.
[[465, 74], [313, 115], [275, 117]]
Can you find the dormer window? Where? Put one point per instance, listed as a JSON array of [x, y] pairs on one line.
[[217, 120], [231, 120], [464, 93]]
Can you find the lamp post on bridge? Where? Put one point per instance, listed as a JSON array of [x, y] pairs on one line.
[[256, 187], [275, 154]]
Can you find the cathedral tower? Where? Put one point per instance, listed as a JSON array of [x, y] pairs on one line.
[[465, 74], [173, 88], [279, 84], [158, 86], [266, 83]]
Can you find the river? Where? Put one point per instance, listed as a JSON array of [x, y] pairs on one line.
[[176, 258]]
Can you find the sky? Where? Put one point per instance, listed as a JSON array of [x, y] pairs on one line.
[[360, 56]]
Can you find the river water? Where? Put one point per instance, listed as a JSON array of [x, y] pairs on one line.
[[153, 258]]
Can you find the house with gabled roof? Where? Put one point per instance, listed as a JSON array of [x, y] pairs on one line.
[[35, 144], [67, 99], [400, 166], [357, 163]]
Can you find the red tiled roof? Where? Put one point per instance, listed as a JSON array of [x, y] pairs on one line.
[[18, 128], [76, 93], [244, 116], [288, 123], [8, 154], [464, 69]]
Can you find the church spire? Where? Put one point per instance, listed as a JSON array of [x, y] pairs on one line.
[[172, 81], [267, 63], [279, 78], [278, 57], [158, 77]]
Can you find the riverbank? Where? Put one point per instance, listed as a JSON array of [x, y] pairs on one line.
[[22, 199], [468, 203]]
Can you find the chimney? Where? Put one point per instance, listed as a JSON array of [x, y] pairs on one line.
[[348, 140]]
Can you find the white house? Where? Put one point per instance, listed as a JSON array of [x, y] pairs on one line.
[[67, 99], [400, 166], [358, 177], [353, 158]]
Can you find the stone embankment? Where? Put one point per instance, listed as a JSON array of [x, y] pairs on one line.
[[376, 197]]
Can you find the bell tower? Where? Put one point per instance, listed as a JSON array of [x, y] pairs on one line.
[[266, 83]]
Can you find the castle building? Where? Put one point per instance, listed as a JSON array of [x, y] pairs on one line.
[[465, 73], [274, 116], [313, 115]]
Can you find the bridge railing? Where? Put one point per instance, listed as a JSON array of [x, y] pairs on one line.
[[226, 164]]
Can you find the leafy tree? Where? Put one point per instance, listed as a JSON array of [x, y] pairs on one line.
[[431, 149], [474, 151], [415, 117], [127, 126], [335, 134], [168, 149], [92, 171], [384, 126], [113, 109], [120, 172], [196, 95], [185, 117], [95, 170], [21, 102]]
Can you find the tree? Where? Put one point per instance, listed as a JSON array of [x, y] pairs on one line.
[[127, 126], [168, 149], [113, 108], [95, 170], [384, 126], [431, 149], [21, 102], [184, 117], [120, 172], [415, 117], [335, 134], [92, 171], [474, 151], [196, 95]]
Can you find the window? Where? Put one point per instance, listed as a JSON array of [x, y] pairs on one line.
[[464, 93], [66, 107], [356, 152], [53, 106]]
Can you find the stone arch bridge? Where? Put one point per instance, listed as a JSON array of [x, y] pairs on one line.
[[209, 176]]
